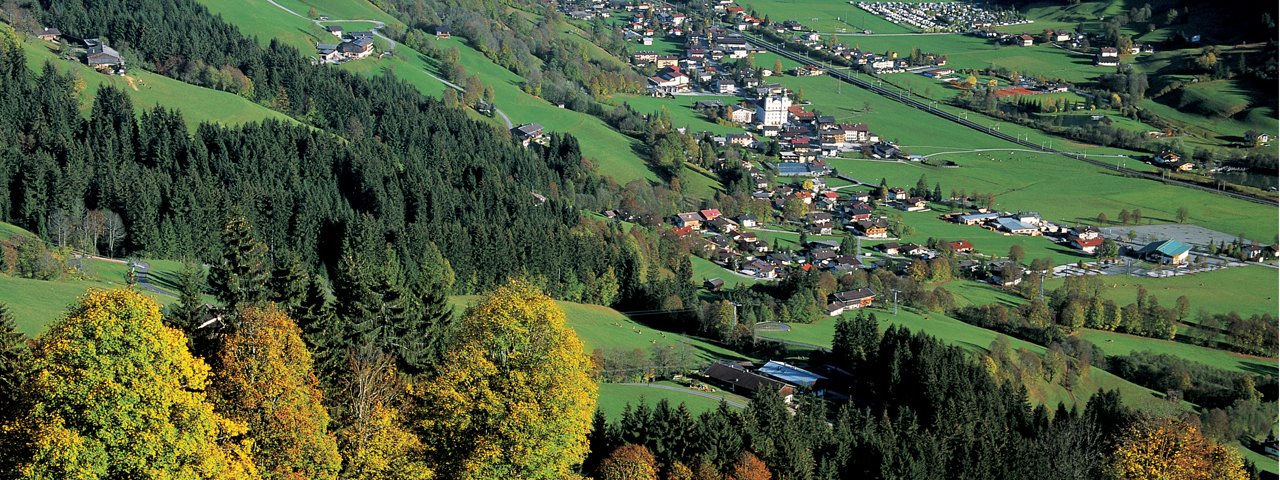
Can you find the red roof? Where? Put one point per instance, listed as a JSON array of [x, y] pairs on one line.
[[830, 194], [709, 214], [800, 141], [961, 245], [682, 231], [1086, 243]]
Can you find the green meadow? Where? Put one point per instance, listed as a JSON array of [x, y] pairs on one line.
[[825, 16], [978, 339], [682, 111], [147, 90], [1122, 344], [607, 329], [615, 397], [1247, 290]]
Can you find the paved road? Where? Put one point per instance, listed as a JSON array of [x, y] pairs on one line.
[[904, 97], [376, 26], [729, 401], [144, 281]]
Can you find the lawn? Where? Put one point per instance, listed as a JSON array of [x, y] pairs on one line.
[[1113, 343], [261, 19], [681, 110], [1247, 290], [606, 328], [147, 90], [969, 52], [704, 269], [341, 10], [36, 303], [826, 16], [615, 397], [977, 339]]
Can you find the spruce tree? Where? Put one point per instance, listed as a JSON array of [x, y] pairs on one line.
[[14, 362], [242, 275], [188, 313], [288, 281]]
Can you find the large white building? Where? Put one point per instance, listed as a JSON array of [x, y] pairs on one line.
[[772, 110]]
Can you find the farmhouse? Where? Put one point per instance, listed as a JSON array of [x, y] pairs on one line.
[[528, 133], [669, 80], [1169, 252], [878, 228], [101, 57], [739, 380], [1027, 40], [850, 300], [961, 246], [442, 32], [47, 34], [334, 30], [689, 219]]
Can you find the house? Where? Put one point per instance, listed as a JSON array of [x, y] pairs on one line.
[[961, 246], [897, 193], [1108, 57], [787, 373], [748, 221], [1169, 252], [724, 225], [873, 228], [689, 219], [664, 61], [850, 300], [442, 32], [669, 80], [884, 150], [1005, 274], [713, 284], [47, 34], [725, 85], [328, 52], [101, 57], [761, 269], [527, 133], [1027, 40], [1087, 244], [335, 30], [889, 248], [357, 47], [709, 214], [741, 115], [738, 380], [1181, 166], [913, 204], [808, 71], [915, 250], [1016, 227], [1259, 252]]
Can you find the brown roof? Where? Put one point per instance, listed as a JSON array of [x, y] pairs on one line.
[[739, 377]]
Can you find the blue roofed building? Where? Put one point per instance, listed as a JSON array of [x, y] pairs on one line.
[[1169, 252], [791, 374], [977, 218]]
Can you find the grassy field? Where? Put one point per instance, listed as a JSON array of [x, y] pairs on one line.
[[261, 19], [968, 52], [824, 16], [704, 269], [681, 110], [36, 303], [977, 339], [147, 90], [1122, 344], [1247, 290], [606, 328], [615, 397]]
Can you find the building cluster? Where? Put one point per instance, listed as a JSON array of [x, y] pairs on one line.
[[942, 16], [351, 46], [92, 51], [774, 377], [1021, 223]]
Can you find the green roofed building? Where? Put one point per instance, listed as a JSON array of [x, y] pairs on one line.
[[1171, 252]]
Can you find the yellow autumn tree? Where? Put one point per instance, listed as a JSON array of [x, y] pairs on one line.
[[115, 394], [375, 439], [264, 378], [628, 462], [512, 398], [1172, 448]]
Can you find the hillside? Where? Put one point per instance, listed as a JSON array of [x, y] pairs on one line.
[[147, 90]]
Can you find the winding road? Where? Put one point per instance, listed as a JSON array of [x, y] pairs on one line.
[[378, 24]]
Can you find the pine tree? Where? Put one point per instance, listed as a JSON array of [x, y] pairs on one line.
[[288, 281], [188, 313], [14, 359], [242, 274]]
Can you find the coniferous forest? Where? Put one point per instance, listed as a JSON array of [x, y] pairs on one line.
[[332, 245]]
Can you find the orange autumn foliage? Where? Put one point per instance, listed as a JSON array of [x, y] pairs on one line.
[[1174, 449]]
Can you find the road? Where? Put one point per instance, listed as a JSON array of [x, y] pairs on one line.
[[377, 24], [905, 98], [142, 268], [730, 402]]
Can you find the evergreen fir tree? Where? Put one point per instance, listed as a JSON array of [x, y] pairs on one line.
[[13, 365], [188, 313], [242, 274], [288, 281]]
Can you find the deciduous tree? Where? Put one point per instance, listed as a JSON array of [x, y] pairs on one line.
[[264, 379], [512, 398], [628, 462], [1170, 448], [116, 394]]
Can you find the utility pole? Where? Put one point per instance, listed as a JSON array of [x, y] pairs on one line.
[[895, 301]]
